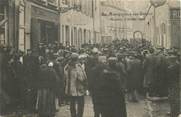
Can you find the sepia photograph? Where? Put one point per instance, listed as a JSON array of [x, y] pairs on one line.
[[90, 58]]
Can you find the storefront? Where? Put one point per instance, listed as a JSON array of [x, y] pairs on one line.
[[42, 26]]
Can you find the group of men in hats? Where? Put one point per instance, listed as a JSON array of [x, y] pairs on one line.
[[33, 81]]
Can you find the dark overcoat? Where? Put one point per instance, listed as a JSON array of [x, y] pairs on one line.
[[108, 98], [46, 92], [135, 71]]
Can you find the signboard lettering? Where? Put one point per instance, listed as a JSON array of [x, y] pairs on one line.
[[175, 13], [43, 14]]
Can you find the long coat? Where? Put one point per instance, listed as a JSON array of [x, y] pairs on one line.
[[75, 80], [107, 93], [47, 84], [61, 82], [149, 70], [173, 83], [4, 97], [31, 65], [135, 71], [159, 83]]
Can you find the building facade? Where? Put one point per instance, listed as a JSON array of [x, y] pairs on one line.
[[79, 22], [25, 24], [162, 25], [3, 21], [8, 22], [113, 23], [41, 23], [120, 21]]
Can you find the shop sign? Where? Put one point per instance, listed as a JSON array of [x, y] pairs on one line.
[[175, 14], [44, 14]]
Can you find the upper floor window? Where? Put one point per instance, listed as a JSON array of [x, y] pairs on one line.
[[163, 28], [2, 27], [1, 13]]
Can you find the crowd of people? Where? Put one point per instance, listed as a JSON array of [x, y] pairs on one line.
[[54, 75]]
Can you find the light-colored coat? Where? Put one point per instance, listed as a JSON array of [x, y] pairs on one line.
[[75, 80]]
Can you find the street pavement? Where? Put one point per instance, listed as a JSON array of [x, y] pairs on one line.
[[143, 108]]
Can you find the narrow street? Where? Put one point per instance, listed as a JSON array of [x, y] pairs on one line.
[[53, 52], [143, 108]]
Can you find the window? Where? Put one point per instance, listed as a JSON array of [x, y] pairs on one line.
[[2, 27], [67, 35], [75, 36], [1, 13], [163, 28], [72, 37], [63, 33], [2, 36]]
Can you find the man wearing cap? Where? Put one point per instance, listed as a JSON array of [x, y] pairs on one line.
[[75, 85]]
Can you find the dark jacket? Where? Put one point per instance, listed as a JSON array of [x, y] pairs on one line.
[[173, 73], [107, 91], [135, 71], [149, 67], [47, 88], [60, 81], [31, 68], [47, 78]]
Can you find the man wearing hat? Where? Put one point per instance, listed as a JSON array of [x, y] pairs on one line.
[[58, 66], [114, 99], [31, 65], [75, 85], [108, 97], [94, 81], [134, 79], [172, 74]]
